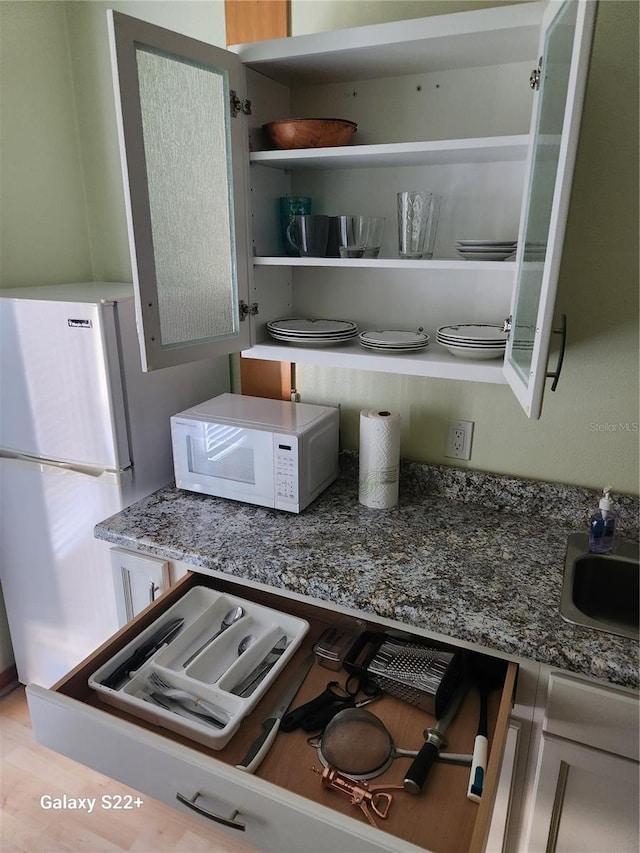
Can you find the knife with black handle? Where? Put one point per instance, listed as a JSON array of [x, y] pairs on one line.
[[143, 652], [417, 774], [271, 723]]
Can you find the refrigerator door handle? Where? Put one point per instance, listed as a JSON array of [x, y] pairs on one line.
[[57, 466]]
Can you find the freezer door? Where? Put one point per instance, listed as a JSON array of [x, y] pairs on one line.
[[56, 578], [61, 386]]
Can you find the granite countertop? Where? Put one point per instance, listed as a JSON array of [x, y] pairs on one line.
[[475, 557]]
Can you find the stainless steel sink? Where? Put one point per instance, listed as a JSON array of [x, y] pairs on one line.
[[601, 591]]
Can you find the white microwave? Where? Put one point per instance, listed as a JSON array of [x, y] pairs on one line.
[[260, 451]]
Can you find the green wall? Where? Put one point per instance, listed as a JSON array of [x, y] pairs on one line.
[[43, 218], [63, 218]]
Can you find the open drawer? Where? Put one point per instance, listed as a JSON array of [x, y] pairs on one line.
[[283, 807]]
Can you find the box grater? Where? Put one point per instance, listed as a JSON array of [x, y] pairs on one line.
[[422, 675]]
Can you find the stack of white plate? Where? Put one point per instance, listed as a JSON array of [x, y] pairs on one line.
[[311, 331], [469, 340], [486, 250], [393, 340]]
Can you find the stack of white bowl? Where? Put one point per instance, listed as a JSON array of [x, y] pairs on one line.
[[473, 340]]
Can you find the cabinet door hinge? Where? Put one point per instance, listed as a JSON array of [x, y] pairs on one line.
[[239, 105], [247, 310], [534, 78]]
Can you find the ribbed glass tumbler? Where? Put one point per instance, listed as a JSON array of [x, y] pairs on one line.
[[413, 217]]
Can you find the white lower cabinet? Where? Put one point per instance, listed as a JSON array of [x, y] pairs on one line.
[[563, 772], [138, 580], [587, 778], [146, 761], [586, 800], [283, 808], [504, 803]]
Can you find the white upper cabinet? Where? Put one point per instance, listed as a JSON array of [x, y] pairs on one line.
[[561, 81], [442, 104], [184, 164]]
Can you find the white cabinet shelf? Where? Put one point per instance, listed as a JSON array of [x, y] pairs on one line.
[[429, 153], [463, 40], [434, 362], [506, 267]]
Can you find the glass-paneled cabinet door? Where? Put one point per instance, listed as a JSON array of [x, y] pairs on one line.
[[561, 80], [185, 161]]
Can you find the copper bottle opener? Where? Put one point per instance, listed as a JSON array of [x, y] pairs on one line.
[[362, 795]]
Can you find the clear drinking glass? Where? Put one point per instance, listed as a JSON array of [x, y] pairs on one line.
[[353, 233], [413, 216], [432, 225], [376, 230]]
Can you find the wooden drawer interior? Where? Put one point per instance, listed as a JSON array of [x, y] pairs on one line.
[[440, 818]]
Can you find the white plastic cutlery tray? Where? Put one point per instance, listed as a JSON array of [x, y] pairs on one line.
[[213, 675]]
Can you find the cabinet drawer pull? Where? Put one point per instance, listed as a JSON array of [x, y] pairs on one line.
[[225, 821], [558, 802]]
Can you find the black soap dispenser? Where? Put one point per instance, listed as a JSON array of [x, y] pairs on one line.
[[602, 525]]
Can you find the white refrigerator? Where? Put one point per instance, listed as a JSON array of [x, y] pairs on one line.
[[83, 433]]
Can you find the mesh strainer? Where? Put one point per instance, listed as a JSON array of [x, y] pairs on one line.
[[357, 743]]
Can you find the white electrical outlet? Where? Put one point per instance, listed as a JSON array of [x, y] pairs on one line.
[[459, 435]]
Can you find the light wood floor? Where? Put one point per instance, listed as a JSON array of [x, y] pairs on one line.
[[27, 771]]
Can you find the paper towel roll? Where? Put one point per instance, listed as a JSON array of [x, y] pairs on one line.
[[379, 458]]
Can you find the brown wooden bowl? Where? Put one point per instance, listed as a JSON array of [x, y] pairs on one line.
[[310, 132]]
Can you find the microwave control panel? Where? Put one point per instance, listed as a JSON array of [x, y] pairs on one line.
[[285, 456]]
